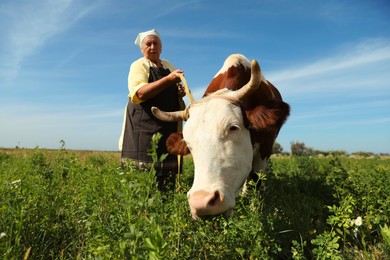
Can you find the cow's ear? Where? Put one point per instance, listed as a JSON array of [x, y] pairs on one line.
[[268, 115], [176, 145]]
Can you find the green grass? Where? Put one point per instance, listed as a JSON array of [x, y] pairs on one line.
[[80, 205]]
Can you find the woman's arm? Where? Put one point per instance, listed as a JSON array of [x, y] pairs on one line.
[[152, 89]]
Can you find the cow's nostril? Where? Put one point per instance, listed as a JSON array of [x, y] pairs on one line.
[[214, 199]]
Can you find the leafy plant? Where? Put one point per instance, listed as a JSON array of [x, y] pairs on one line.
[[80, 205]]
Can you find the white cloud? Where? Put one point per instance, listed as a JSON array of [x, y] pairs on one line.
[[349, 57], [31, 24], [340, 110], [334, 98], [342, 123], [173, 7]]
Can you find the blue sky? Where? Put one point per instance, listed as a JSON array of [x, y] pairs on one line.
[[64, 65]]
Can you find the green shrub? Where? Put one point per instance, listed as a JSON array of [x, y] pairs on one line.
[[57, 206]]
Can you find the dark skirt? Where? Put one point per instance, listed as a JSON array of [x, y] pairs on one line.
[[140, 126]]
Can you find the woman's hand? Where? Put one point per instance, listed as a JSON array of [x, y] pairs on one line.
[[174, 76], [180, 90]]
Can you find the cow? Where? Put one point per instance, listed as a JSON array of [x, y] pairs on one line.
[[230, 133]]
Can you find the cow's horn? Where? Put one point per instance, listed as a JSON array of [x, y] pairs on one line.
[[253, 83], [169, 116]]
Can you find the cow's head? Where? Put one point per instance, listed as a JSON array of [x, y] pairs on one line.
[[218, 137]]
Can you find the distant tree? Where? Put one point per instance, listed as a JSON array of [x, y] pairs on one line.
[[338, 152], [277, 148], [363, 154], [331, 152], [321, 153], [299, 148], [62, 143]]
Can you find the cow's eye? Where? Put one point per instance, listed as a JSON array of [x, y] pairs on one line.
[[234, 128]]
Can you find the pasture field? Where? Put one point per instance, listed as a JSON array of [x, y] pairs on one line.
[[61, 204]]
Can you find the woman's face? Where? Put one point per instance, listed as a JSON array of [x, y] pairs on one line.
[[151, 48]]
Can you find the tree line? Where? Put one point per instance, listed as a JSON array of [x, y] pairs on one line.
[[300, 149]]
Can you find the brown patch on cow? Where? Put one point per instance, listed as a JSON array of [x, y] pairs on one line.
[[233, 79], [176, 145]]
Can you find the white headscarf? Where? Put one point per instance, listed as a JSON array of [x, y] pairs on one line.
[[141, 36]]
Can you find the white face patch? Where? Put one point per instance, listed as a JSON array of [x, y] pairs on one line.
[[220, 146]]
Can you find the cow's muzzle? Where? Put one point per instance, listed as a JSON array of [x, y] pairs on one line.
[[204, 204]]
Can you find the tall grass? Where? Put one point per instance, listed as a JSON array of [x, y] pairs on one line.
[[61, 205]]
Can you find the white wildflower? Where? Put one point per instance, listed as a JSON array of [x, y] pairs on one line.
[[358, 221], [2, 234], [355, 232], [16, 183]]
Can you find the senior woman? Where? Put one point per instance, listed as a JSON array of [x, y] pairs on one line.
[[152, 81]]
